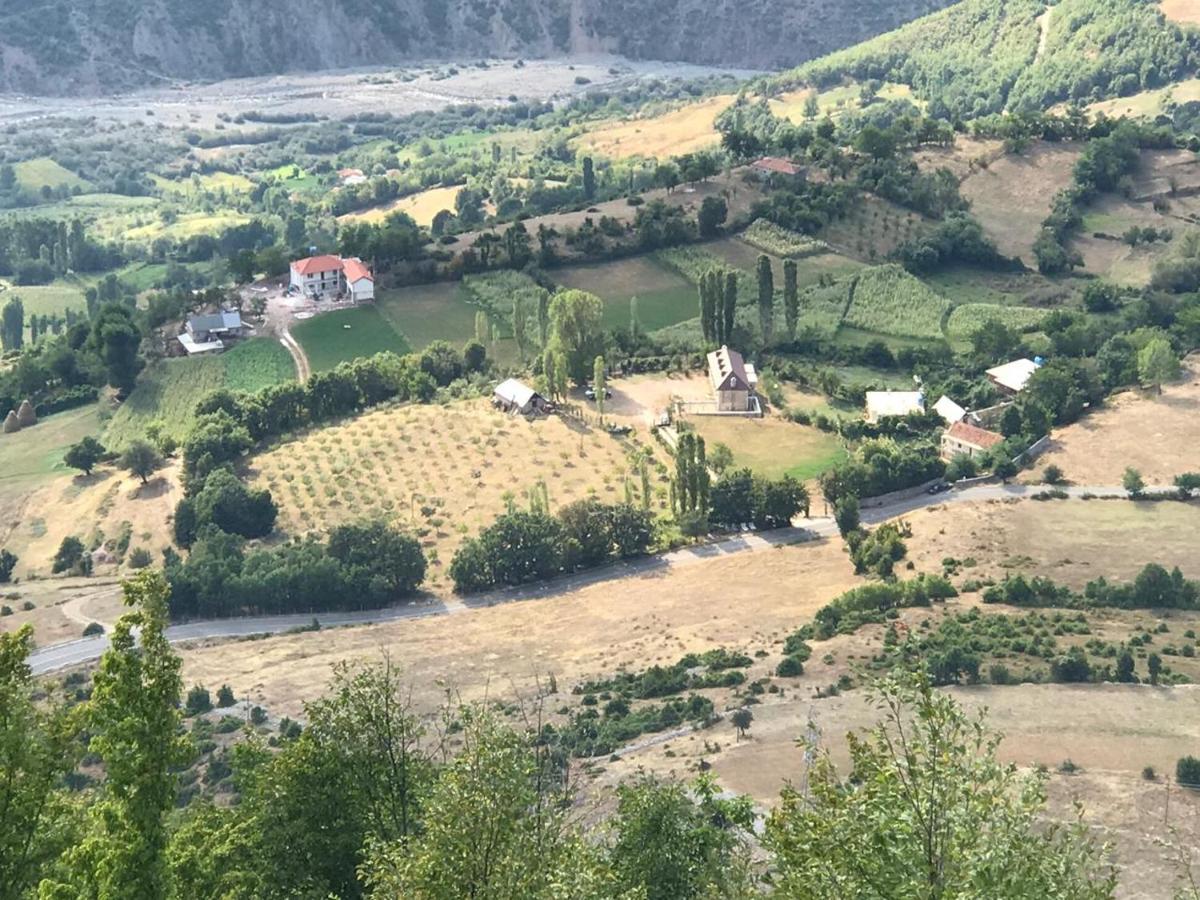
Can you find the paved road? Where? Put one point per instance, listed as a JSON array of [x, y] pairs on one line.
[[61, 656]]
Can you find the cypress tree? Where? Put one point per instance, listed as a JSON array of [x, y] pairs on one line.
[[730, 306], [766, 298], [791, 298]]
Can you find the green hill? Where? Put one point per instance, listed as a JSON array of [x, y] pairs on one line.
[[985, 56]]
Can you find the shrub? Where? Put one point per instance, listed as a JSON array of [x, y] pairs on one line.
[[8, 562], [6, 611], [1149, 774], [1052, 474], [258, 715], [70, 554], [790, 667], [998, 674], [225, 696], [198, 701], [92, 629], [140, 558], [1187, 772]]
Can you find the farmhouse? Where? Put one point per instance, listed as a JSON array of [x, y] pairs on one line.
[[962, 437], [329, 277], [733, 381], [949, 410], [204, 333], [773, 168], [885, 404], [351, 177], [517, 397], [1013, 376]]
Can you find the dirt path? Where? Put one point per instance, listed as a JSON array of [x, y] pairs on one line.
[[303, 370], [1043, 24]]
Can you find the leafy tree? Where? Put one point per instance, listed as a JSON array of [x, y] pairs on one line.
[[225, 696], [1010, 421], [1125, 668], [8, 562], [575, 325], [442, 362], [494, 827], [1157, 364], [198, 700], [115, 338], [1005, 470], [378, 559], [70, 554], [136, 730], [587, 525], [720, 458], [1154, 667], [669, 845], [1133, 483], [226, 502], [930, 812], [961, 465], [766, 297], [517, 548], [84, 455], [141, 458], [12, 325], [589, 179], [712, 215], [599, 385], [729, 307], [791, 298], [778, 501], [37, 749], [846, 515], [741, 720]]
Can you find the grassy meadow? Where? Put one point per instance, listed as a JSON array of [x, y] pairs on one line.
[[772, 447], [336, 337]]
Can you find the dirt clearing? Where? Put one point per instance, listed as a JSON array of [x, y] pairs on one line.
[[683, 130], [1186, 12], [1157, 435]]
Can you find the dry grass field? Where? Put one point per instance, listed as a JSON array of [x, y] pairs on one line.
[[422, 207], [1186, 12], [445, 471], [873, 229], [1012, 196], [1157, 435], [683, 130]]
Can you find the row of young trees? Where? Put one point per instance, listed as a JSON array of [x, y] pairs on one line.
[[367, 801]]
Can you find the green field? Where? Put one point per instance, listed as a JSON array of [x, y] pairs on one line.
[[970, 317], [887, 300], [169, 390], [36, 452], [428, 313], [46, 299], [188, 225], [772, 447], [214, 182], [335, 337], [34, 174], [665, 297]]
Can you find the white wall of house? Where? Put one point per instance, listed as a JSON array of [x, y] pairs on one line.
[[362, 290]]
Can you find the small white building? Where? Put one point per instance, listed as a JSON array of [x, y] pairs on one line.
[[1012, 377], [351, 177], [330, 277], [949, 410], [964, 438], [517, 397], [205, 333], [893, 404]]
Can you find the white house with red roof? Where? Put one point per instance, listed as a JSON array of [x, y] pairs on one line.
[[330, 277]]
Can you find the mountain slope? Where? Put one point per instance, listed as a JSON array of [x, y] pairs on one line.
[[983, 56], [66, 46]]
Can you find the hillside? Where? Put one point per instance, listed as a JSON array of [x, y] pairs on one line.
[[984, 56], [68, 46]]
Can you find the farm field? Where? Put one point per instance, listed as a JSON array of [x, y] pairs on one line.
[[444, 471], [1156, 435], [873, 228], [809, 269], [422, 207], [35, 174], [836, 100], [1012, 196], [214, 183], [36, 452], [965, 320], [664, 296], [429, 312], [683, 130], [335, 337], [965, 284], [45, 299], [772, 446], [188, 225], [109, 213], [170, 389], [887, 300]]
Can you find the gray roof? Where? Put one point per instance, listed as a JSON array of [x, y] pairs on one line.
[[516, 392], [218, 321], [727, 370]]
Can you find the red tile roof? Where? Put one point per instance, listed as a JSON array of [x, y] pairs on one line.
[[356, 269], [976, 437], [318, 264], [777, 165]]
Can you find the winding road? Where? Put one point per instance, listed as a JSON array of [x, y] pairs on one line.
[[73, 653]]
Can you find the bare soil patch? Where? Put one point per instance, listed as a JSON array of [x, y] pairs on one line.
[[1186, 12], [1157, 435]]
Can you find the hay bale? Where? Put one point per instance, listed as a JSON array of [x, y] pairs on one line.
[[25, 415], [11, 425]]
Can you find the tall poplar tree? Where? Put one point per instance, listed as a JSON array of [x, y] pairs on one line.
[[766, 297], [730, 306], [791, 298]]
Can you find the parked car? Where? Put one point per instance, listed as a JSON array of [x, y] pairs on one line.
[[590, 393], [939, 488]]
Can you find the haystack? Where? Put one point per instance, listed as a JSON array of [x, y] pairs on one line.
[[25, 415], [11, 425]]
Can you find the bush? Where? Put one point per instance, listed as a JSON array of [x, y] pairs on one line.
[[70, 555], [790, 667], [1149, 774], [198, 701], [8, 562], [225, 696], [258, 715], [1187, 772], [999, 674], [6, 611], [92, 629], [1052, 474]]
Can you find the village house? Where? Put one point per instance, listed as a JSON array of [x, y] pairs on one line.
[[1012, 377], [949, 410], [515, 396], [893, 404], [205, 333], [962, 437], [734, 382], [775, 169], [330, 277], [351, 177]]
